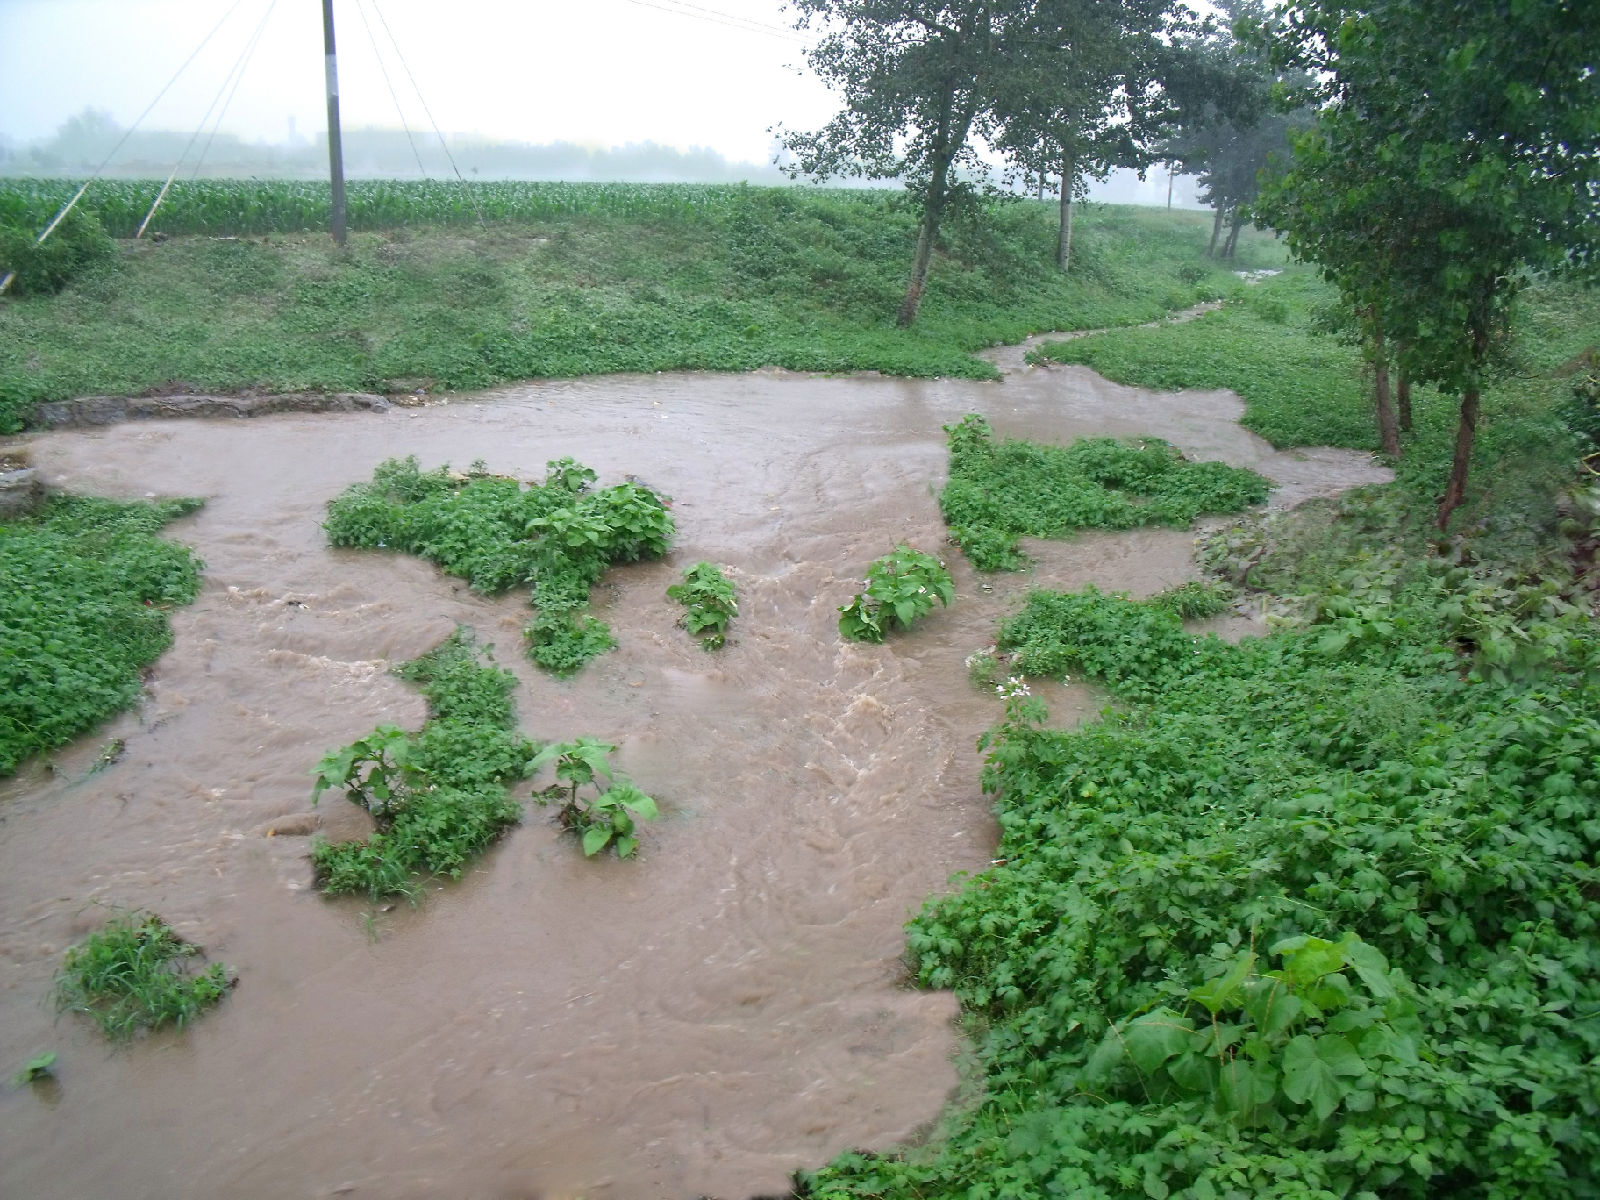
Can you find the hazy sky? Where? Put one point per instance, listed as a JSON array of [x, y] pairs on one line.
[[604, 72]]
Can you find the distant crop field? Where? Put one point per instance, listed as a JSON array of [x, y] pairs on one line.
[[247, 206]]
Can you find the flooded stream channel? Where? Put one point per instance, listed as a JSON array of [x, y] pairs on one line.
[[700, 1021]]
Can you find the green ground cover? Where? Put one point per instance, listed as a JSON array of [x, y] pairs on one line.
[[85, 586], [607, 278], [1317, 915], [137, 975]]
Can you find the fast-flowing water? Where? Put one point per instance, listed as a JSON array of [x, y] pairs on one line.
[[703, 1020]]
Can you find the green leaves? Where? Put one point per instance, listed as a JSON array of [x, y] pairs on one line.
[[136, 975], [1001, 491], [608, 816], [560, 537], [709, 603], [900, 589]]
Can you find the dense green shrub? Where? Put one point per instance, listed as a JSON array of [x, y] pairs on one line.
[[85, 586], [1000, 491], [438, 796], [42, 268]]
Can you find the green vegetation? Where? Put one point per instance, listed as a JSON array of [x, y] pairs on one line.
[[439, 796], [134, 975], [38, 1068], [901, 588], [85, 586], [572, 280], [1312, 915], [496, 534], [999, 492], [41, 268], [708, 602], [604, 818]]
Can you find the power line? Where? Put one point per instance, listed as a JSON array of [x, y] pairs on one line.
[[717, 17], [242, 66], [398, 111], [382, 20]]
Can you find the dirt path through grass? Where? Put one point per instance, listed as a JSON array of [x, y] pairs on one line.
[[702, 1020]]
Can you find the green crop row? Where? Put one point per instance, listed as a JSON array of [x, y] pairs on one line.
[[249, 206]]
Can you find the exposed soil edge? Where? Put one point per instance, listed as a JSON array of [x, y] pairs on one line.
[[90, 411]]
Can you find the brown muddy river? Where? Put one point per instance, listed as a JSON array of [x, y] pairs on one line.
[[703, 1020]]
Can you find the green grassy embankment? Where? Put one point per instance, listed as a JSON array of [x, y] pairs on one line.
[[569, 280]]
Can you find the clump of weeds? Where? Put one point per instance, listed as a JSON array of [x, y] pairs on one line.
[[559, 537], [900, 590], [709, 603], [439, 796], [136, 974]]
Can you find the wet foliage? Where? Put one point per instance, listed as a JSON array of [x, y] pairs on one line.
[[1315, 915], [137, 975], [439, 797], [709, 603], [900, 590], [571, 280], [559, 536], [1000, 491], [601, 814], [85, 587]]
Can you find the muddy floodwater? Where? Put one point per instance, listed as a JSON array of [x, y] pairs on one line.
[[703, 1020]]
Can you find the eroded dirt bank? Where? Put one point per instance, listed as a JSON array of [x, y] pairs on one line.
[[703, 1020]]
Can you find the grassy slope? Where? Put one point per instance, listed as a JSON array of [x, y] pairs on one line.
[[799, 278]]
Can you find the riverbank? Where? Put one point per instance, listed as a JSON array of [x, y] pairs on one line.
[[804, 279]]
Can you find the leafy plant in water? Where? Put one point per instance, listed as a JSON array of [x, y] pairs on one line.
[[901, 588], [439, 796], [607, 814], [40, 1067], [135, 975], [709, 603], [560, 537]]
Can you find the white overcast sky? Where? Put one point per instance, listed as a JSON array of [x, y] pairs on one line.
[[599, 72]]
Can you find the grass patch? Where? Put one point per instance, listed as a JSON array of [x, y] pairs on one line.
[[137, 975], [1001, 491], [626, 279], [439, 796], [494, 533], [85, 586]]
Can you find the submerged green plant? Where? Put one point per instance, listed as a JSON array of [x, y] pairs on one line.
[[135, 975], [439, 796], [606, 817], [901, 588], [41, 1066], [709, 604], [559, 537]]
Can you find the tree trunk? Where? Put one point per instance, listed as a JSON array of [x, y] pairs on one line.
[[1403, 397], [1388, 435], [1456, 490], [1216, 232], [1069, 179], [932, 209], [1233, 232]]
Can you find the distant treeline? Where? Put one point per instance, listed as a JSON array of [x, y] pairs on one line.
[[83, 142]]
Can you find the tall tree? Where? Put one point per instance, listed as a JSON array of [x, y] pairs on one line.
[[915, 77], [1456, 153], [1079, 93]]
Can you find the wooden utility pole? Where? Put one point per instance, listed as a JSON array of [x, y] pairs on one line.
[[335, 149]]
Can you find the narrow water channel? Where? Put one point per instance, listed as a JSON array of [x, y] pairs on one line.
[[700, 1021]]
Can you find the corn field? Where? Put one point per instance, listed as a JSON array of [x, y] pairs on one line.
[[248, 206]]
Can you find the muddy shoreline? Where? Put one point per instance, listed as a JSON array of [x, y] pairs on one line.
[[701, 1021]]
